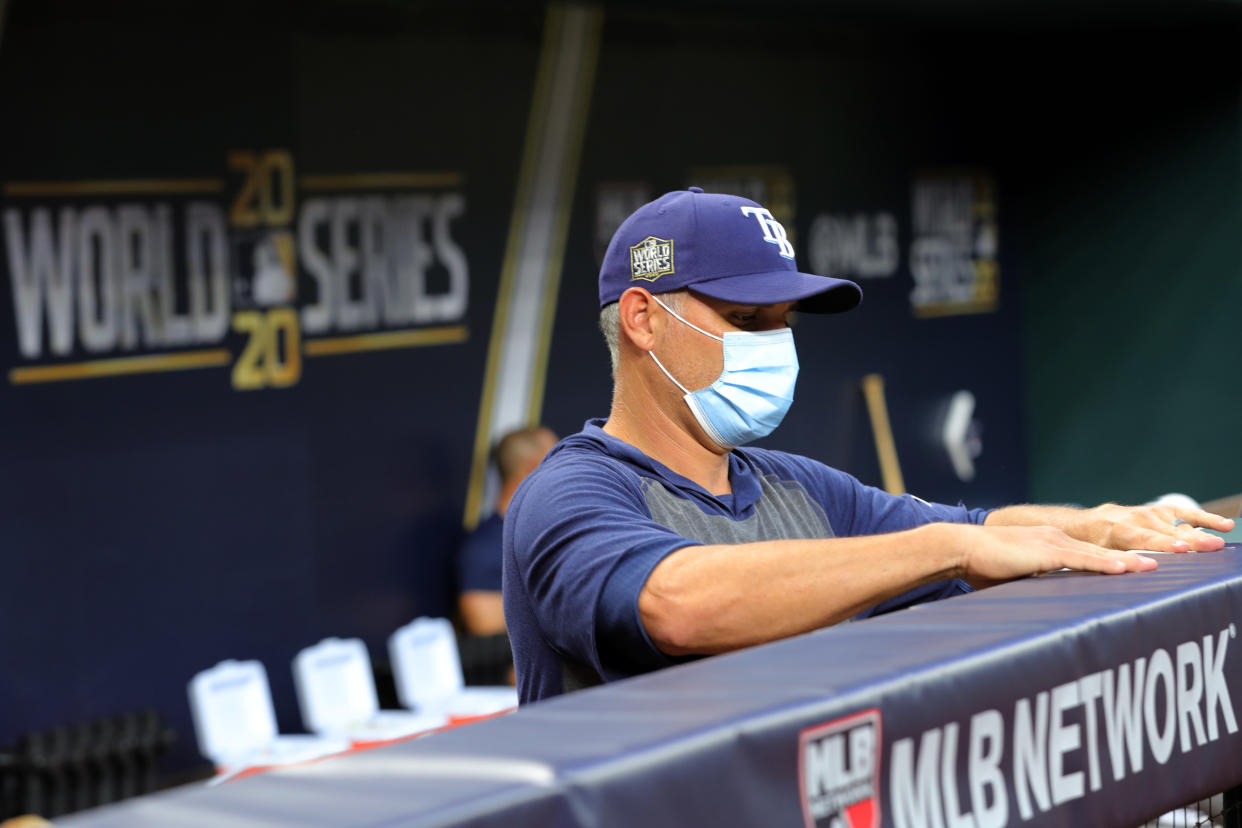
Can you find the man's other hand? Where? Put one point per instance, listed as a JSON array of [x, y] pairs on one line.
[[1163, 528], [1154, 528], [992, 554]]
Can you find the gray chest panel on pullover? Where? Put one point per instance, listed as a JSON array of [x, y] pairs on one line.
[[783, 511]]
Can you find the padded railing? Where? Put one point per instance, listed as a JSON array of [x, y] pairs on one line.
[[1067, 699]]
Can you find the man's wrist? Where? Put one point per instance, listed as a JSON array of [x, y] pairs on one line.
[[945, 546]]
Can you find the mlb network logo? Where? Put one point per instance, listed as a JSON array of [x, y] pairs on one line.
[[839, 772]]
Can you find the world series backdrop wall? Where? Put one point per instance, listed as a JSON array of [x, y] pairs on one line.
[[295, 249], [268, 270]]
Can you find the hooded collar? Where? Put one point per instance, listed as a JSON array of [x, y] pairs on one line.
[[743, 476]]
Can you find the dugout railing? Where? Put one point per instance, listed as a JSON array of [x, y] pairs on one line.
[[1067, 699]]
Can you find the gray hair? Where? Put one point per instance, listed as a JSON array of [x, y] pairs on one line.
[[610, 327], [610, 323]]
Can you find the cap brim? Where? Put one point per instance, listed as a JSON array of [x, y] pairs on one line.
[[814, 294]]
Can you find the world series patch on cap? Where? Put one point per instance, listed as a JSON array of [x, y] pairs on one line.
[[722, 246]]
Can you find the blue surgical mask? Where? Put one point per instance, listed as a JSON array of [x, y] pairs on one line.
[[754, 390]]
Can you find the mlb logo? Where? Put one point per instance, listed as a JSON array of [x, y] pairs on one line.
[[651, 258], [839, 772]]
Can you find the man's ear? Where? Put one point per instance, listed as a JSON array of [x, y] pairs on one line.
[[637, 320]]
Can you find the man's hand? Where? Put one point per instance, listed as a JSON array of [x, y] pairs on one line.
[[1152, 528], [992, 554]]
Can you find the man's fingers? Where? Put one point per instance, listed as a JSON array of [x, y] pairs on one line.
[[1098, 559], [1199, 540], [1118, 562], [1139, 563], [1165, 516], [1198, 517], [1196, 539], [1175, 539], [1150, 530], [1180, 538]]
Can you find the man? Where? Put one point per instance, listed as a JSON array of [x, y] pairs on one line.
[[479, 564], [650, 538]]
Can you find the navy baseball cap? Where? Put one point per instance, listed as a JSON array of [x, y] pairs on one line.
[[722, 246]]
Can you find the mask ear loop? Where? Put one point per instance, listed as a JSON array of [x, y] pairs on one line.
[[683, 388], [683, 321], [679, 318], [690, 399]]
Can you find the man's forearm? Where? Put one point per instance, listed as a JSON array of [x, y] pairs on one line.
[[711, 599], [1030, 515]]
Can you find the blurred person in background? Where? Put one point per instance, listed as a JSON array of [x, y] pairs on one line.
[[480, 603]]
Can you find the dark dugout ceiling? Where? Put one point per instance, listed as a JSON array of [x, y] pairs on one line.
[[379, 15]]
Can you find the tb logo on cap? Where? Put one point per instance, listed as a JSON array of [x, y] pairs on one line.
[[773, 230]]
